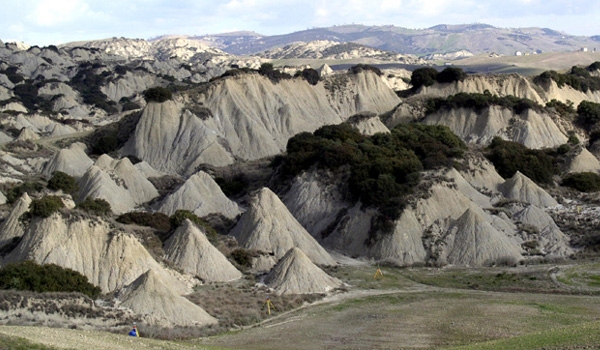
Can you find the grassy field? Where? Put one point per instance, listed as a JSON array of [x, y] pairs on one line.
[[533, 307]]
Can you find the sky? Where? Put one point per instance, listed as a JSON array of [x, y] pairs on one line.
[[45, 22]]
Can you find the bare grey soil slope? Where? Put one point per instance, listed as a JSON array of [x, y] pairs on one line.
[[108, 257], [268, 226], [150, 297], [296, 274], [201, 195], [249, 117], [474, 242], [190, 250]]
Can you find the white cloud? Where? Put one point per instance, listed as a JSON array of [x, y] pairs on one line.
[[51, 13]]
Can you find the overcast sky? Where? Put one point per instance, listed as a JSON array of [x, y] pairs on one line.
[[44, 22]]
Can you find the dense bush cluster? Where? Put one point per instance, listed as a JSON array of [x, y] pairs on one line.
[[158, 221], [97, 206], [578, 78], [109, 138], [588, 113], [158, 94], [583, 182], [45, 206], [428, 76], [364, 67], [14, 193], [267, 70], [64, 182], [311, 76], [509, 157], [564, 109], [45, 278], [479, 101], [89, 84], [383, 168], [233, 186]]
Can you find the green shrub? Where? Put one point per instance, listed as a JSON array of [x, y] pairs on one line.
[[423, 77], [588, 113], [479, 102], [158, 94], [267, 70], [364, 67], [158, 221], [30, 276], [509, 157], [234, 185], [14, 193], [97, 206], [89, 84], [242, 257], [63, 181], [45, 206], [180, 215], [583, 182], [383, 168], [578, 78], [564, 109], [451, 74], [311, 76]]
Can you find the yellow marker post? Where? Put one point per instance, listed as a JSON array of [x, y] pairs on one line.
[[378, 273], [269, 305]]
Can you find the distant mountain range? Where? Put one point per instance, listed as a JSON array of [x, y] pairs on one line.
[[475, 38]]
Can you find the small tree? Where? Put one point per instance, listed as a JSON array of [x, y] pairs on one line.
[[450, 75], [46, 206], [96, 206], [157, 94], [63, 181], [423, 77]]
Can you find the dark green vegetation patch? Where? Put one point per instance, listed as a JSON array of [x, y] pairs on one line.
[[64, 182], [509, 157], [158, 94], [578, 78], [28, 275], [45, 206], [479, 102], [97, 206], [583, 182], [382, 168]]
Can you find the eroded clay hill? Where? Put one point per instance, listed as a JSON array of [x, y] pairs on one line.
[[249, 117]]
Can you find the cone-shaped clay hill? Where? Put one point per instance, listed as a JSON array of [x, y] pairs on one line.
[[584, 161], [268, 226], [520, 187], [118, 182], [201, 195], [149, 296], [473, 242], [296, 274], [73, 161], [11, 227], [189, 249]]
